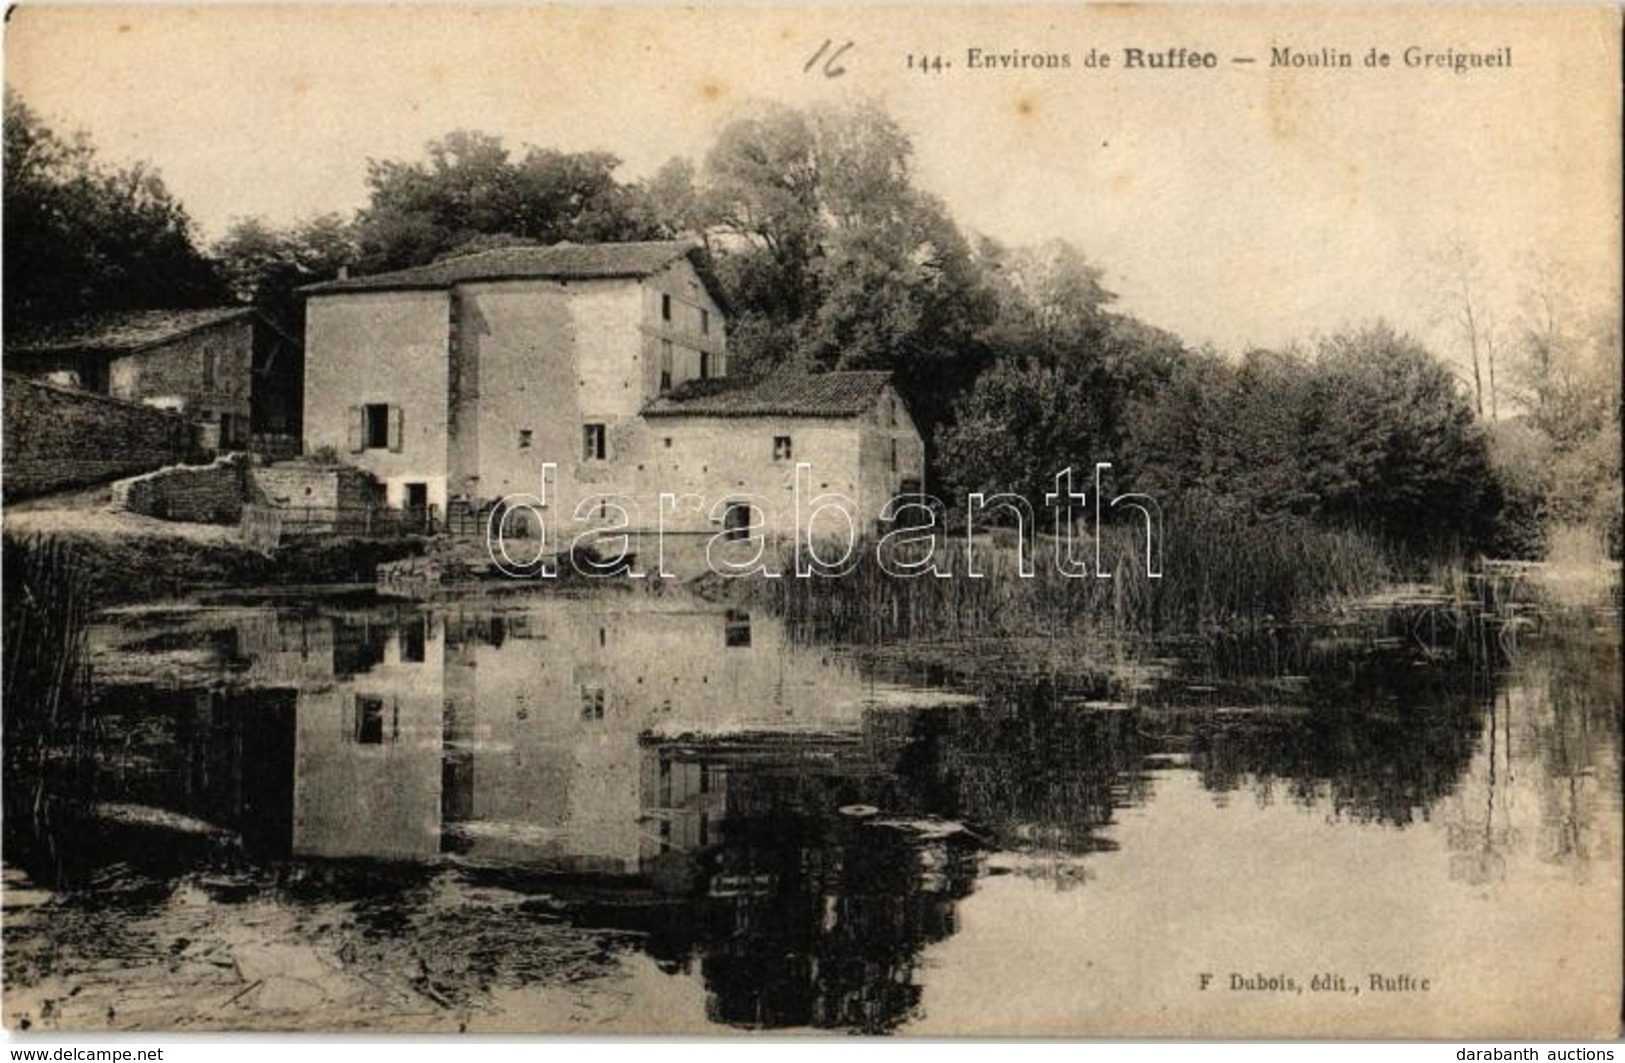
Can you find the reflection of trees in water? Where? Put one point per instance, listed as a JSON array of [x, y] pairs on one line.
[[1479, 838], [815, 918], [1377, 739], [1552, 732], [1562, 728], [1027, 768]]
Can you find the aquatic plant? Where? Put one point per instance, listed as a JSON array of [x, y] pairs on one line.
[[1217, 571]]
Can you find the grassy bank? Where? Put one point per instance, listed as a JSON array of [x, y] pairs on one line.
[[1216, 572], [141, 568]]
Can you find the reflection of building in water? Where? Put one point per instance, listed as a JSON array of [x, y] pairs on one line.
[[368, 741], [544, 710], [680, 750], [513, 736]]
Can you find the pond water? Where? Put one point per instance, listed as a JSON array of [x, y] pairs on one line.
[[632, 812]]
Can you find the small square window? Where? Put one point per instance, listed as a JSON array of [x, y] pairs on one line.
[[782, 450], [667, 441], [594, 442], [525, 437]]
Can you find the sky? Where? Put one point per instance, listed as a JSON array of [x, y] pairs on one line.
[[1248, 204]]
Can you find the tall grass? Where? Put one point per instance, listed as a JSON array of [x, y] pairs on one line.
[[46, 604], [46, 612], [1217, 572]]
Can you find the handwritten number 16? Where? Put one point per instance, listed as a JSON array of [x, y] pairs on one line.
[[830, 69]]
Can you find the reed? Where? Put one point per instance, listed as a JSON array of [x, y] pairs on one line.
[[47, 604], [1218, 572]]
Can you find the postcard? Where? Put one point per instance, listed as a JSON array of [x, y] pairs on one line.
[[1087, 521]]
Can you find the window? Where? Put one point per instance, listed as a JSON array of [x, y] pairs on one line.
[[736, 521], [592, 703], [375, 422], [665, 366], [894, 455], [705, 322], [369, 720], [209, 368], [414, 642], [525, 437], [594, 442], [782, 450], [665, 308], [667, 441], [705, 365], [736, 629]]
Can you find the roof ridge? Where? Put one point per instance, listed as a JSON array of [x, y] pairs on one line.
[[787, 392], [94, 330], [586, 260]]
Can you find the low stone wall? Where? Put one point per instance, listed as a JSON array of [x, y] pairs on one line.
[[318, 498], [202, 494], [59, 438]]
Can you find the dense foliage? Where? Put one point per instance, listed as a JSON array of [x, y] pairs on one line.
[[82, 237], [1368, 431]]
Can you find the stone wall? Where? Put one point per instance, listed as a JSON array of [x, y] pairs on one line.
[[203, 494], [59, 438], [207, 375], [317, 498]]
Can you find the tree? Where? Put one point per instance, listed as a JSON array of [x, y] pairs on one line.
[[82, 236], [1393, 446], [1369, 431], [672, 203], [1049, 296], [762, 176], [1467, 304], [834, 261], [265, 265], [470, 192], [1017, 427]]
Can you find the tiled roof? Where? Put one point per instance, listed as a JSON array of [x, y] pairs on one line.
[[846, 394], [563, 261], [120, 332]]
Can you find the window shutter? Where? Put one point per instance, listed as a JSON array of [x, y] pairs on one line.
[[397, 429], [358, 427]]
